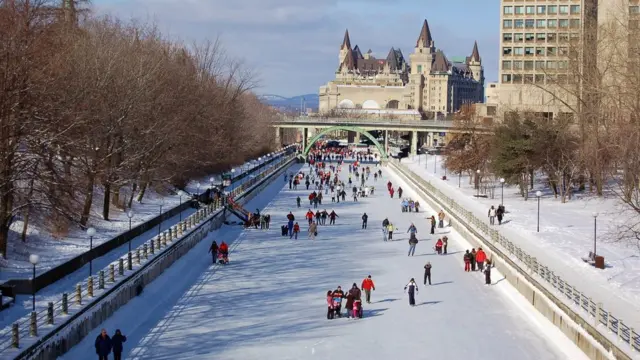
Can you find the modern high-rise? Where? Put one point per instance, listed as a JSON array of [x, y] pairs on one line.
[[537, 38]]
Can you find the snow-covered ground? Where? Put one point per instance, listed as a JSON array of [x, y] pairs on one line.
[[269, 302], [566, 235], [54, 292], [55, 251]]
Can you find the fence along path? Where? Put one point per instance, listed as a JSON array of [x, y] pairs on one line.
[[604, 322]]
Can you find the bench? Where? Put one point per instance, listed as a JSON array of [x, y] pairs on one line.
[[7, 296]]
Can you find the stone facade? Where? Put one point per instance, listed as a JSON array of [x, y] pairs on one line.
[[428, 84]]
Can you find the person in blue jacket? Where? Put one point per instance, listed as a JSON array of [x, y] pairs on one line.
[[103, 345], [116, 342]]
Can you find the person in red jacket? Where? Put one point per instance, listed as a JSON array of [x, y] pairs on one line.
[[309, 216], [367, 286], [467, 261], [296, 230], [224, 251], [481, 257]]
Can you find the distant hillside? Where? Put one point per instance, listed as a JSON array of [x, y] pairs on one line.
[[309, 101]]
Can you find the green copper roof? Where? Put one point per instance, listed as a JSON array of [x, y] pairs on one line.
[[459, 59]]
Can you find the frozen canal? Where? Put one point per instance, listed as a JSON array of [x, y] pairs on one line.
[[270, 301]]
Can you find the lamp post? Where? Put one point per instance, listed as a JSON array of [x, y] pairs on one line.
[[502, 191], [34, 259], [180, 195], [435, 163], [130, 216], [595, 227], [161, 204], [211, 188], [91, 232], [478, 183], [459, 178], [538, 195]]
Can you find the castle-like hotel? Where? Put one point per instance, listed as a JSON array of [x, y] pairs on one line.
[[429, 84]]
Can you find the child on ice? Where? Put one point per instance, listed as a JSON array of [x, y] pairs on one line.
[[330, 309]]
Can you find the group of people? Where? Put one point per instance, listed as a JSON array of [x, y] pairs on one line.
[[314, 219], [353, 304], [496, 213], [219, 253], [477, 260], [106, 344]]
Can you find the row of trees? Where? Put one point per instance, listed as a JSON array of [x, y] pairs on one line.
[[92, 103], [594, 144]]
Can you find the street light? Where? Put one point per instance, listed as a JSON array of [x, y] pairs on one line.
[[459, 178], [34, 259], [130, 216], [211, 191], [160, 223], [180, 195], [538, 195], [595, 227], [502, 191], [91, 232], [478, 183]]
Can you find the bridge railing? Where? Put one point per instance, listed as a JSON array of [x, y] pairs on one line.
[[381, 121], [615, 328]]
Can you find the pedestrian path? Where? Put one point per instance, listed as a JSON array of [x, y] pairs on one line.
[[270, 301]]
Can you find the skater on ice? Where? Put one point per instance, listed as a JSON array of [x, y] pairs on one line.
[[412, 289], [368, 286], [365, 218], [427, 273], [338, 295], [213, 249]]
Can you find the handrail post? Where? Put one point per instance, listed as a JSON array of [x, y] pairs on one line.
[[50, 313], [65, 303], [33, 328], [15, 335]]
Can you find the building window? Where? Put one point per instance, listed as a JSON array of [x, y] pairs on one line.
[[519, 24], [541, 23], [528, 65], [519, 37], [518, 51], [551, 51], [506, 78], [564, 9], [517, 65], [529, 23], [528, 79], [542, 9], [508, 10], [563, 37], [519, 10], [507, 24], [563, 23], [507, 51], [563, 51], [563, 64], [574, 37], [529, 51], [575, 9], [539, 78], [419, 69], [539, 65], [634, 9], [517, 79], [540, 51], [551, 37], [506, 65], [552, 65], [552, 23], [507, 37], [529, 37], [552, 9], [531, 10], [574, 23], [541, 37]]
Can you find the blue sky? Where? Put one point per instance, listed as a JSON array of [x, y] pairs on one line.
[[292, 45]]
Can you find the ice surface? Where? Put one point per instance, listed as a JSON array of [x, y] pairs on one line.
[[269, 302], [566, 235]]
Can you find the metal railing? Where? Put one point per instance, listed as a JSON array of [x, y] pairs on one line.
[[381, 121], [121, 269], [618, 330]]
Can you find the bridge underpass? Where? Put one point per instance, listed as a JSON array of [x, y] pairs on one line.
[[269, 302]]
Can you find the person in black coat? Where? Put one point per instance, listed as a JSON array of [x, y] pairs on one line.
[[103, 345], [214, 251], [365, 217], [427, 273], [116, 342]]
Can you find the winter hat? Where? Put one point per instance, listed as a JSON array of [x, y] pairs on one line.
[[369, 276], [354, 285]]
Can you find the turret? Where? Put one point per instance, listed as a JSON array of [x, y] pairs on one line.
[[475, 64]]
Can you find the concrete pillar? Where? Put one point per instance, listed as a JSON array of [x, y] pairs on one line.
[[305, 134], [278, 139], [386, 141], [414, 143]]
